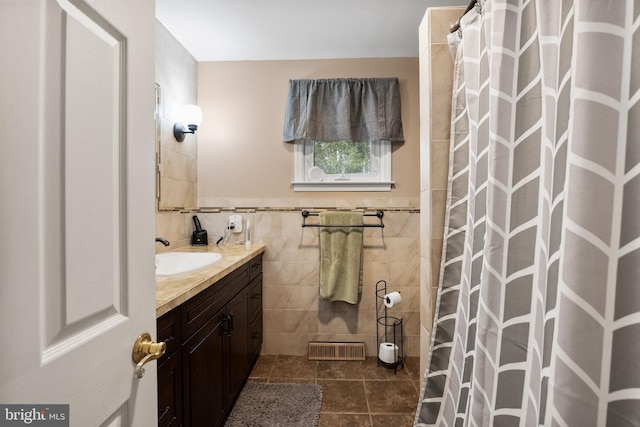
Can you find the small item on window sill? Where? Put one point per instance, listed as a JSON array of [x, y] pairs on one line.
[[316, 174]]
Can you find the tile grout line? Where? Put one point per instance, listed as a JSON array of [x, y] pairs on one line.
[[366, 398]]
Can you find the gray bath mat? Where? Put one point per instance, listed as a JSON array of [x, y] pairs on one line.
[[276, 405]]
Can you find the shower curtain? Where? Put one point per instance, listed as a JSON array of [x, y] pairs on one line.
[[538, 314]]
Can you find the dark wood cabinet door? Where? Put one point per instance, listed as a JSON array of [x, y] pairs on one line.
[[170, 391], [255, 340], [204, 375], [238, 362], [170, 371]]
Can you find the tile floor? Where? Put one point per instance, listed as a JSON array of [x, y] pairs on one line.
[[354, 394]]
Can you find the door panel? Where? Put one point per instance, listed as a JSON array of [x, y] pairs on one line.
[[77, 182], [87, 245]]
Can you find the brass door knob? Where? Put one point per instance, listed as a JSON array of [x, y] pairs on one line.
[[145, 350]]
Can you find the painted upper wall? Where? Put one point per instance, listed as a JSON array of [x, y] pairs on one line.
[[240, 150]]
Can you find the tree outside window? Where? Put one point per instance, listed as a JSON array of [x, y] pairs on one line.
[[342, 157]]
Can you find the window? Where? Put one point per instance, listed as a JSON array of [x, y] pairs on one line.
[[342, 130], [342, 166]]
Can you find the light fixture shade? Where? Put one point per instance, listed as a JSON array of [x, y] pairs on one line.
[[191, 115]]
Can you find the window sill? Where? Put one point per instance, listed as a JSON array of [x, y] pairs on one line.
[[342, 186]]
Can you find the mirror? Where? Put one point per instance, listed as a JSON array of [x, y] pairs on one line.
[[176, 163]]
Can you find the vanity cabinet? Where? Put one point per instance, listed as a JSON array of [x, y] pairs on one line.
[[218, 334], [170, 371]]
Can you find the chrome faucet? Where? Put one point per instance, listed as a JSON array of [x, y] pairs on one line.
[[163, 241]]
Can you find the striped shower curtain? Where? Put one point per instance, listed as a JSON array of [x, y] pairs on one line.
[[538, 312]]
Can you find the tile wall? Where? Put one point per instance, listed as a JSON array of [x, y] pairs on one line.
[[436, 83], [293, 312]]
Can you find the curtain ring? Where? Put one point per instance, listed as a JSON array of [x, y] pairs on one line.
[[478, 7]]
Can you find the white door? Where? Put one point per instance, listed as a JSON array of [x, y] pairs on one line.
[[77, 206]]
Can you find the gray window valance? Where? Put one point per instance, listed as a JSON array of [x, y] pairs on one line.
[[358, 110]]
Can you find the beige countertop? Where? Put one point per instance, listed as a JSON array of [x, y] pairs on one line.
[[173, 291]]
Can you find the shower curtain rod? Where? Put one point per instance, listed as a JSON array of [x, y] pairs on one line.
[[306, 214], [456, 25]]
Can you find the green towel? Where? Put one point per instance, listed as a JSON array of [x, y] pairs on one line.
[[341, 257]]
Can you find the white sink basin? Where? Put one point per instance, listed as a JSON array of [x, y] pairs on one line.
[[177, 263]]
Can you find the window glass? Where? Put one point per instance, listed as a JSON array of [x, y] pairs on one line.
[[342, 166], [342, 157]]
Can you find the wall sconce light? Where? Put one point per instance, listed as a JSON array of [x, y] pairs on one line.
[[192, 116]]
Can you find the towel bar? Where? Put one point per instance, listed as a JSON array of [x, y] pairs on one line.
[[378, 214]]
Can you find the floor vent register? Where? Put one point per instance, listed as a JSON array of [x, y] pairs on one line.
[[319, 350]]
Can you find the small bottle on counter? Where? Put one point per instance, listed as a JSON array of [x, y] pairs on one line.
[[247, 240]]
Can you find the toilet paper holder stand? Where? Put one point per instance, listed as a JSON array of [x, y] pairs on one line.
[[389, 333]]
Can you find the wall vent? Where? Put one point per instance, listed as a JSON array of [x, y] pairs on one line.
[[336, 350]]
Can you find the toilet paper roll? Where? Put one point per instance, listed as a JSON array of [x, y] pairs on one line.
[[388, 352], [392, 299]]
